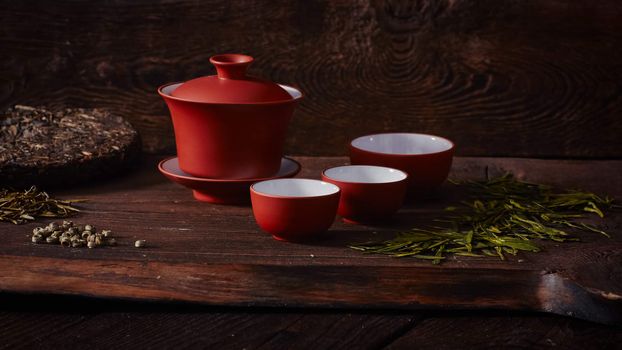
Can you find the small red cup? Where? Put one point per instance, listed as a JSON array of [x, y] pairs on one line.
[[368, 193], [294, 209], [425, 158]]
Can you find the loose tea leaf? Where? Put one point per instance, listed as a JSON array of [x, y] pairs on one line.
[[60, 147], [503, 216], [19, 207], [70, 235]]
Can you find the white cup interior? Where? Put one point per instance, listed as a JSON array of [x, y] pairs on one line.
[[293, 92], [168, 90], [295, 188], [402, 143], [365, 174]]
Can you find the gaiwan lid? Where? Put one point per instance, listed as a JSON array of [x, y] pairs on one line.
[[231, 84]]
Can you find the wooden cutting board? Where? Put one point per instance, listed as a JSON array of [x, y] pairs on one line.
[[215, 254]]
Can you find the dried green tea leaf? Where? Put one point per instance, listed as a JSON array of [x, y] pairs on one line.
[[18, 207], [504, 216]]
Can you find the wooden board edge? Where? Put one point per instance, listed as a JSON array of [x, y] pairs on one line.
[[325, 286]]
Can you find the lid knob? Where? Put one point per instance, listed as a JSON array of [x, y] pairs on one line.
[[231, 85], [231, 66]]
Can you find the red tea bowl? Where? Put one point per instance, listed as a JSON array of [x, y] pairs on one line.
[[425, 158], [230, 126], [368, 193], [295, 209]]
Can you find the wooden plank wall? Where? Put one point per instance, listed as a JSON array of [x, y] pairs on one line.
[[536, 78]]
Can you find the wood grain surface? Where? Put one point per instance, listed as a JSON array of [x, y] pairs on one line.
[[506, 331], [216, 255], [532, 78], [47, 322]]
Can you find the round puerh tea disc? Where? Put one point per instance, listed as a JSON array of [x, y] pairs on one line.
[[63, 147]]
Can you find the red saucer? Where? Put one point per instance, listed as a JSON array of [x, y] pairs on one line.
[[222, 191]]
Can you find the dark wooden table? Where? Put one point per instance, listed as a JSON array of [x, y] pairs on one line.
[[194, 287], [54, 323]]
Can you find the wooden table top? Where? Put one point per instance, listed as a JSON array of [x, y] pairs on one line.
[[216, 262], [28, 322]]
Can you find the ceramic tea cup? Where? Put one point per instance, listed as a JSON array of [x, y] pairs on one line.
[[294, 209], [368, 193], [425, 158]]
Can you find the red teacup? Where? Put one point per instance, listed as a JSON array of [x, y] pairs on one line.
[[294, 209], [425, 158], [368, 193]]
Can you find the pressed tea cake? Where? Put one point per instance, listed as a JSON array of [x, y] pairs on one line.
[[61, 147]]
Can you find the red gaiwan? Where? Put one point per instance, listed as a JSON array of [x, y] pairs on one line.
[[230, 125]]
